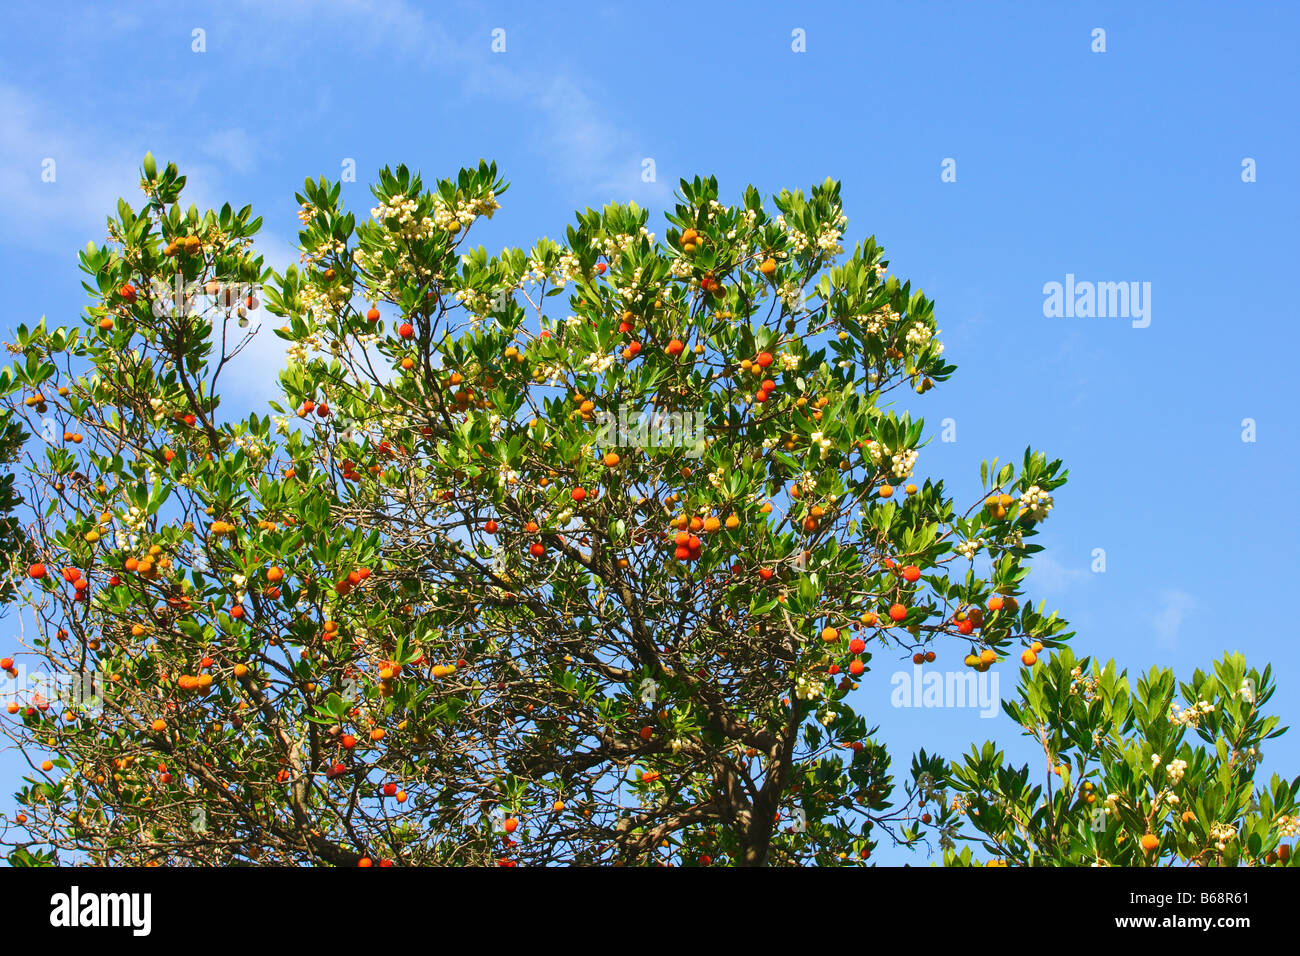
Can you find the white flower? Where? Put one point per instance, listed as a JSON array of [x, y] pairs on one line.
[[1175, 770], [1036, 502]]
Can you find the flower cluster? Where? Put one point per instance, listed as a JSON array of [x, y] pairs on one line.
[[826, 241], [1190, 717], [1221, 833], [918, 335], [904, 461], [806, 688], [1036, 503], [403, 209], [879, 320]]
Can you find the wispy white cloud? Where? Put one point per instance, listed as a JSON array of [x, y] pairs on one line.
[[93, 166], [1173, 609], [1049, 575], [234, 148], [569, 130]]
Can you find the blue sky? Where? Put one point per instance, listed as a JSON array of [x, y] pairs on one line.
[[1117, 166]]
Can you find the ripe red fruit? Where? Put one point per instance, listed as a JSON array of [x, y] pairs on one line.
[[578, 494], [856, 667], [674, 348], [764, 359], [406, 330], [647, 732], [365, 861], [237, 612], [6, 663], [897, 612], [911, 573], [348, 741], [373, 315], [857, 645], [322, 410], [966, 626], [768, 386], [127, 292], [765, 573], [600, 267], [36, 571], [390, 789], [537, 549], [511, 825], [760, 396], [490, 527]]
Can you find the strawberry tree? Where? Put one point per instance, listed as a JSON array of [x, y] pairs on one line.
[[573, 553], [1131, 775]]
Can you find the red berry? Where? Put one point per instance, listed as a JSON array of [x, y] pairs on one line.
[[406, 330], [911, 573], [897, 612]]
